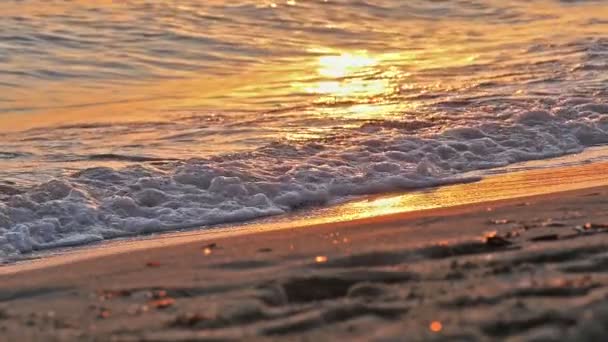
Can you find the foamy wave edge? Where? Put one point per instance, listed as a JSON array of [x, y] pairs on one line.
[[103, 203]]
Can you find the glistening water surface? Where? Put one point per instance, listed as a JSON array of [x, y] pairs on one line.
[[127, 117]]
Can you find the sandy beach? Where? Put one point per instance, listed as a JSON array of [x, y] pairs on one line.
[[303, 170], [523, 269]]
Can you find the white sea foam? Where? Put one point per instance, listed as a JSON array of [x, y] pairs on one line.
[[100, 203]]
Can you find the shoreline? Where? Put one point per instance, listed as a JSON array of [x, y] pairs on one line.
[[493, 188], [522, 268]]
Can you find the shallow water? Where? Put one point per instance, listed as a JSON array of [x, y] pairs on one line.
[[129, 117]]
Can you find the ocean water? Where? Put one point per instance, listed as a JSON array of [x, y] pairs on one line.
[[120, 118]]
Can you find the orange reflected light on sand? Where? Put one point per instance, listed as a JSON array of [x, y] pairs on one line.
[[320, 259], [383, 205], [435, 326]]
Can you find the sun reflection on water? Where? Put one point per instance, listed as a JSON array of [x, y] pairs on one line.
[[354, 84], [345, 64], [350, 88]]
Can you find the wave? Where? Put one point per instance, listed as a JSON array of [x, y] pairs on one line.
[[100, 203]]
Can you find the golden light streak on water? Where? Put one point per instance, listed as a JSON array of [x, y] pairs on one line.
[[345, 64]]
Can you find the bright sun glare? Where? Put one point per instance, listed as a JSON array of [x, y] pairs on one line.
[[343, 75], [345, 64]]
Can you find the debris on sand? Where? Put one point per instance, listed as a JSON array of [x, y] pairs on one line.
[[495, 240], [435, 326], [590, 225], [153, 264], [162, 303], [500, 221], [104, 313], [320, 259], [590, 228], [208, 249]]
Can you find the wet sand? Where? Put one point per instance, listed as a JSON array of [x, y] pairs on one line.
[[527, 268]]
